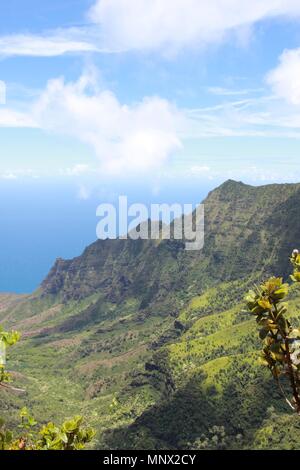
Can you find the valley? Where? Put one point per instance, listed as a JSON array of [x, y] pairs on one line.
[[151, 343]]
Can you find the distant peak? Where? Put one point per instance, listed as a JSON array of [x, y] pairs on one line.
[[228, 189], [232, 184], [229, 186]]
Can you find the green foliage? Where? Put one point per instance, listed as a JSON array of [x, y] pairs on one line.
[[215, 439], [6, 340], [281, 350], [6, 436], [278, 431], [9, 339], [70, 436]]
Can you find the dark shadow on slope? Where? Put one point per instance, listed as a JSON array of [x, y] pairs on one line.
[[191, 412]]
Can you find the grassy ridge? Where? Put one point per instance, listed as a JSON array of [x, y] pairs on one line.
[[150, 342], [139, 395]]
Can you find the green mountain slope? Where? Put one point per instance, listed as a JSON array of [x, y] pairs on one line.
[[149, 341], [243, 224]]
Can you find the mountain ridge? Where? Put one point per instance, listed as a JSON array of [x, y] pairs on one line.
[[232, 211], [150, 342]]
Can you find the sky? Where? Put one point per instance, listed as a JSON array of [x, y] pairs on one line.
[[160, 100]]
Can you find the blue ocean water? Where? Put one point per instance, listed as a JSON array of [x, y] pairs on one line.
[[41, 221]]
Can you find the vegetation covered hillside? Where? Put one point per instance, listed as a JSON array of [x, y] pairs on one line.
[[150, 342]]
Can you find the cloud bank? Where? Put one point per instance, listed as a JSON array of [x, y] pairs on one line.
[[141, 137], [176, 24], [156, 25]]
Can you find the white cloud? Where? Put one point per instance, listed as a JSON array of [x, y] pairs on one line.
[[199, 169], [134, 138], [141, 137], [285, 78], [19, 173], [264, 116], [175, 24], [8, 176], [77, 170], [55, 44], [167, 25], [221, 91]]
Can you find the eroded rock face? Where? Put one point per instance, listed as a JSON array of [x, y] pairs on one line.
[[241, 224]]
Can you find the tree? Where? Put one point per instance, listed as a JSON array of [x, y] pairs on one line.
[[69, 436], [281, 341]]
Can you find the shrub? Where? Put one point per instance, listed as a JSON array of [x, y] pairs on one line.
[[70, 436], [281, 341]]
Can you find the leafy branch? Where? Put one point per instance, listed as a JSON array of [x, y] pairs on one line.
[[281, 341], [69, 436], [6, 340]]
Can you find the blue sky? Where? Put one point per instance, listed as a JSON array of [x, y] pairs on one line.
[[163, 100], [213, 92]]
